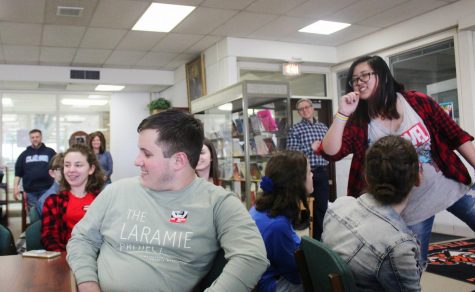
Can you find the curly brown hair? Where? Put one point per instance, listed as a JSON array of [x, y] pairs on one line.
[[95, 181], [288, 171]]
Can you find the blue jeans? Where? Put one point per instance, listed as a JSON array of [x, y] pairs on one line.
[[464, 209], [33, 197]]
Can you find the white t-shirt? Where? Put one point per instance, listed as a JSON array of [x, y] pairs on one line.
[[436, 192]]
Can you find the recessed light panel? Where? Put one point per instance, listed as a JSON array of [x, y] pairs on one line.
[[324, 27], [162, 17], [103, 87]]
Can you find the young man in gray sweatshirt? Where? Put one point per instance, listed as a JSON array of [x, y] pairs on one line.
[[161, 231]]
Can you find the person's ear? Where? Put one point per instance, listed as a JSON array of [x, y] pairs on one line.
[[92, 169], [180, 160]]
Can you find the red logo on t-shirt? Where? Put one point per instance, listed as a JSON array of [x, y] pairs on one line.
[[178, 217], [417, 134]]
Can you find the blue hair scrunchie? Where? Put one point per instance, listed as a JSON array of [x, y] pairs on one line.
[[267, 185]]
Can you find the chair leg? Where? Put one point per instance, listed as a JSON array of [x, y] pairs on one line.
[[303, 271], [336, 282]]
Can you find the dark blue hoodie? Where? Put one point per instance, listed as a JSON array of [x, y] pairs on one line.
[[32, 167]]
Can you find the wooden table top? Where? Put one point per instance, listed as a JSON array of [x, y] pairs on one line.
[[18, 273]]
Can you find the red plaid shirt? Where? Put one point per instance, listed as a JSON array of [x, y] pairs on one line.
[[445, 135], [54, 230]]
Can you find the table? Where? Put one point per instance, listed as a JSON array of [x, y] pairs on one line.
[[18, 273]]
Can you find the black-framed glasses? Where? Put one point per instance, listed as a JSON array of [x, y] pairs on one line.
[[304, 108], [364, 77]]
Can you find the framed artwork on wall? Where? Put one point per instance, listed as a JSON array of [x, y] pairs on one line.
[[196, 78]]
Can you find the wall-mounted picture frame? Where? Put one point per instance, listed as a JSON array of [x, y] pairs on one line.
[[196, 78]]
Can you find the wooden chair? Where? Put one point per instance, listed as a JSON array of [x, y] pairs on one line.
[[321, 269], [4, 202]]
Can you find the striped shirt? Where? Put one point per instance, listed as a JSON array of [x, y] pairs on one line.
[[302, 135]]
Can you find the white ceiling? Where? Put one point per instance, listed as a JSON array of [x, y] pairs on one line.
[[31, 33]]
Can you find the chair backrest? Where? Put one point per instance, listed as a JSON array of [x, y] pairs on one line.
[[326, 269], [33, 236], [34, 215], [7, 244]]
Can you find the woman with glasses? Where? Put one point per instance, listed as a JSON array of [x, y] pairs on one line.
[[375, 106]]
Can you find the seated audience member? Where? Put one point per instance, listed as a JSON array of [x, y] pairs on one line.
[[287, 182], [97, 142], [162, 230], [81, 181], [207, 167], [368, 232], [54, 170]]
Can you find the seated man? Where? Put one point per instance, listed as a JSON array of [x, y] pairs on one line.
[[162, 230], [368, 232]]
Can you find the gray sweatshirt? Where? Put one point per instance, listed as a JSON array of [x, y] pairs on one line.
[[136, 239]]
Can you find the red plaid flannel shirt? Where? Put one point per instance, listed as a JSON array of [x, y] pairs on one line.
[[445, 135], [54, 230]]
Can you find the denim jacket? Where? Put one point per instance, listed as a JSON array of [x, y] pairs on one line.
[[381, 251]]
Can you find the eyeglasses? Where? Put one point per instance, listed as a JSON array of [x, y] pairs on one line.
[[304, 108], [364, 77]]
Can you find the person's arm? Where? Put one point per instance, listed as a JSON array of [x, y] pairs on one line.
[[110, 165], [468, 152], [86, 240], [281, 249], [243, 247], [293, 140], [89, 287], [332, 141], [400, 269], [16, 188], [51, 226]]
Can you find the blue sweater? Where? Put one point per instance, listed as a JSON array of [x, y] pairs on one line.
[[32, 167], [281, 241]]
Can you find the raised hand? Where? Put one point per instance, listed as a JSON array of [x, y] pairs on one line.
[[348, 103]]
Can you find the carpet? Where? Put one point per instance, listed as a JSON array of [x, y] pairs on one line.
[[454, 259]]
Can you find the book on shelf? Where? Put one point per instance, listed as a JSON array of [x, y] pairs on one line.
[[239, 125], [267, 120], [261, 147], [252, 146], [270, 144], [255, 171], [237, 171], [256, 125], [238, 149], [226, 169]]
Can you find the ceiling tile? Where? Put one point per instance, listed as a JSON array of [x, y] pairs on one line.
[[401, 12], [280, 27], [62, 35], [52, 6], [180, 60], [204, 20], [140, 40], [21, 54], [124, 58], [31, 11], [102, 38], [81, 86], [176, 43], [316, 9], [274, 6], [12, 33], [203, 44], [227, 4], [155, 60], [243, 24], [118, 13], [56, 56], [363, 9], [91, 57]]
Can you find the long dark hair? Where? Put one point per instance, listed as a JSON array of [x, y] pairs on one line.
[[391, 168], [95, 181], [214, 168], [288, 171], [383, 101], [99, 134]]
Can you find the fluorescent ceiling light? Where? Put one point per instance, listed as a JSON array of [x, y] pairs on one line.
[[226, 107], [83, 102], [7, 101], [324, 27], [9, 118], [102, 87], [96, 96], [162, 17]]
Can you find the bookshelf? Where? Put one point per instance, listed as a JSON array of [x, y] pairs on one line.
[[246, 122]]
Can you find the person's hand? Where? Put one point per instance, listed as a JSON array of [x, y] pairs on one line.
[[316, 145], [17, 193], [89, 287], [348, 103]]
